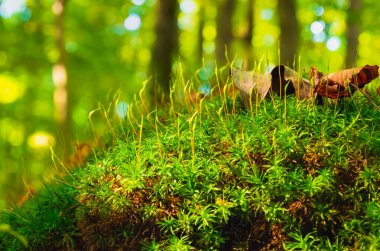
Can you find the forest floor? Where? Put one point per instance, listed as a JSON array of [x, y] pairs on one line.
[[286, 174]]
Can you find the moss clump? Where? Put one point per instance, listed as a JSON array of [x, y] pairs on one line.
[[284, 175]]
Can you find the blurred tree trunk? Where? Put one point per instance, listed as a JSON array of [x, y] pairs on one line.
[[289, 31], [353, 32], [224, 34], [201, 15], [60, 77], [249, 35], [164, 49]]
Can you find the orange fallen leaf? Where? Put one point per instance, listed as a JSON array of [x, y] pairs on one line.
[[343, 83]]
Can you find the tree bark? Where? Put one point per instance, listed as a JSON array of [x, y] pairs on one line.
[[164, 49], [289, 31], [60, 77], [249, 34], [353, 32], [224, 34]]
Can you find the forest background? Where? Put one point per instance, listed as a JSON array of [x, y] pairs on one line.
[[62, 59]]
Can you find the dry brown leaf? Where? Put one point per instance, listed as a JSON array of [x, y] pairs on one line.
[[283, 75], [280, 80], [343, 83], [251, 86]]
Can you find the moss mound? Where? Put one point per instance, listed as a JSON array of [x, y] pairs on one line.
[[284, 175]]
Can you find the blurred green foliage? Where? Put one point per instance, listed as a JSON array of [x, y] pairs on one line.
[[108, 49]]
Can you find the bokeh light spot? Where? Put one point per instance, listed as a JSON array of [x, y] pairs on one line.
[[205, 88], [317, 27], [209, 32], [10, 7], [144, 55], [41, 140], [333, 43], [11, 89], [188, 6], [132, 22], [266, 14], [138, 2], [319, 10], [209, 47], [126, 53], [205, 73], [185, 22], [122, 109], [268, 40], [319, 38], [365, 38]]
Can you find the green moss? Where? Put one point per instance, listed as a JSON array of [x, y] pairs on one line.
[[294, 176], [47, 220]]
